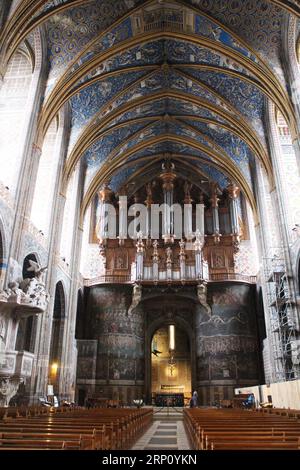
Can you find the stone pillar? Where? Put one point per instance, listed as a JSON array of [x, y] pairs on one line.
[[40, 374], [67, 376]]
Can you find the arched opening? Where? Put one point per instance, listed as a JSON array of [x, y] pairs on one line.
[[58, 322], [160, 312], [26, 265], [80, 332], [170, 366], [14, 117], [46, 179]]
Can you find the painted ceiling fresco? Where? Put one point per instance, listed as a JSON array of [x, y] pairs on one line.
[[142, 78]]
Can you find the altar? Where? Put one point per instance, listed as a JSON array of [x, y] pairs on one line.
[[169, 399]]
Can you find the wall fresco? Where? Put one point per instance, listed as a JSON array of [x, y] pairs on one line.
[[227, 344], [119, 354], [224, 345]]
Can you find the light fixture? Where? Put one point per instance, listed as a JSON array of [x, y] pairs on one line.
[[171, 361], [54, 367], [171, 337]]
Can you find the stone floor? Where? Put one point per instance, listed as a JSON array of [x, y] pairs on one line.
[[166, 433]]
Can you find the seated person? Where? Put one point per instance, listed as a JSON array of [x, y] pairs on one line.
[[249, 402]]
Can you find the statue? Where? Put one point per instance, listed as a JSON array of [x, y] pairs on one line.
[[136, 297], [15, 294], [202, 297], [39, 272], [139, 243], [155, 256], [182, 249], [199, 241]]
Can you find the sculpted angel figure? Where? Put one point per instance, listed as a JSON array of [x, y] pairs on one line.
[[202, 297], [37, 269], [136, 297]]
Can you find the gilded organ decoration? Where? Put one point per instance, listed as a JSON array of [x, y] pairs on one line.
[[197, 255]]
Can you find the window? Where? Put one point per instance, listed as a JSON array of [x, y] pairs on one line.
[[46, 180], [14, 117]]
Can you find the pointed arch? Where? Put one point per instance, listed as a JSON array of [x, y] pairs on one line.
[[57, 332]]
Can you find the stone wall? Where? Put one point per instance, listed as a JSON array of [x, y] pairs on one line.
[[283, 394]]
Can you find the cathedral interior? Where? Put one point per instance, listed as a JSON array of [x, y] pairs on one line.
[[107, 110]]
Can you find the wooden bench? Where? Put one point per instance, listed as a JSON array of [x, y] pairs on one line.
[[211, 429], [101, 429]]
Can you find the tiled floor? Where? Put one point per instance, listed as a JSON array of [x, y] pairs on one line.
[[164, 435]]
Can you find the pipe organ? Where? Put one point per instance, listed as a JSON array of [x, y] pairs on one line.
[[198, 234]]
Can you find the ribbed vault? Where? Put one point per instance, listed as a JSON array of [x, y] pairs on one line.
[[137, 89]]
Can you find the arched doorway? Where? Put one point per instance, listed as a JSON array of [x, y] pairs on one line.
[[80, 332], [58, 323], [170, 365], [170, 308]]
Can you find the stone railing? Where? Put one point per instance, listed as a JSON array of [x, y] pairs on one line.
[[30, 295], [127, 279], [108, 279]]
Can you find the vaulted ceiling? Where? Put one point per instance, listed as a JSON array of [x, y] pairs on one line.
[[143, 79]]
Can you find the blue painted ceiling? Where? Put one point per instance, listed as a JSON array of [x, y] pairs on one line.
[[192, 90]]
